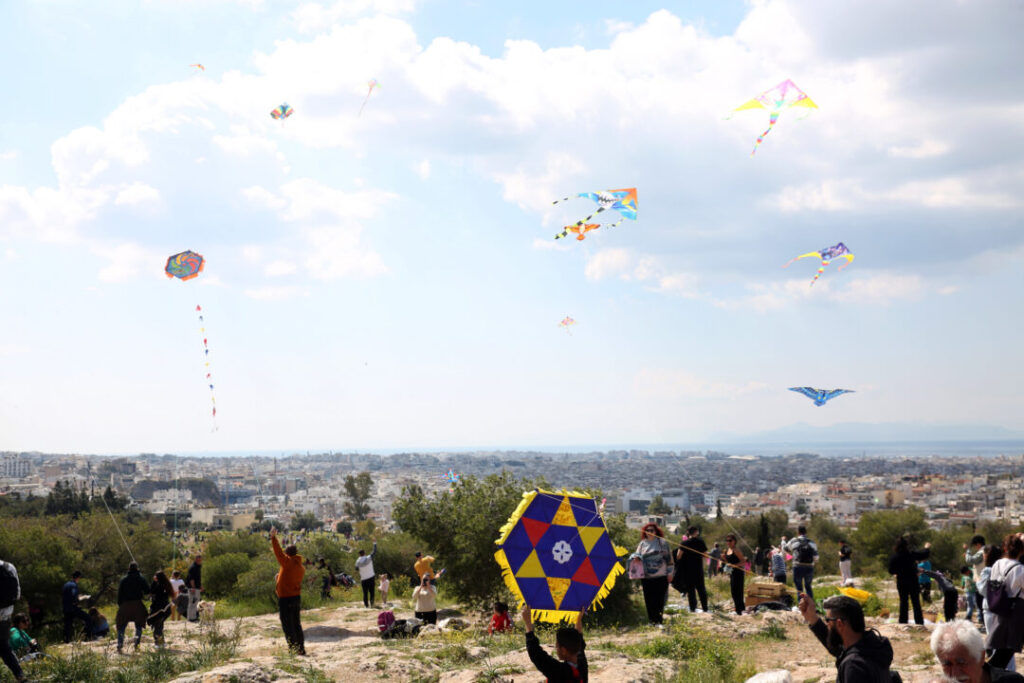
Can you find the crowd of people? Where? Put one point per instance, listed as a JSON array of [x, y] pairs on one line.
[[992, 580]]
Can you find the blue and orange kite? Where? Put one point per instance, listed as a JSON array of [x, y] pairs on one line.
[[556, 554], [624, 201]]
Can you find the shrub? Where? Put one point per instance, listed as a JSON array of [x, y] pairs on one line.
[[220, 572], [251, 544]]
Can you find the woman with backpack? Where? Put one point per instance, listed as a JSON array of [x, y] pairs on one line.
[[1005, 596]]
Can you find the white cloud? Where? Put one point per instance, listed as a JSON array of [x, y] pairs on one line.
[[335, 253], [137, 193], [674, 384], [314, 17], [244, 142], [278, 268], [423, 169], [13, 349], [127, 261], [550, 244], [880, 289], [276, 293], [264, 197], [926, 149], [9, 155], [629, 266]]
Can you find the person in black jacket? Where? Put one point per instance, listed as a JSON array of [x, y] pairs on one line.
[[69, 603], [690, 563], [861, 656], [194, 583], [903, 563], [570, 647], [130, 608], [160, 608]]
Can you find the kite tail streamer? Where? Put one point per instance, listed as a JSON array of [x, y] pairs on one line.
[[821, 269], [206, 364], [760, 139]]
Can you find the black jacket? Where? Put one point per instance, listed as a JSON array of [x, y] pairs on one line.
[[1002, 675], [866, 661], [904, 566], [691, 562], [194, 579], [132, 587], [554, 670]]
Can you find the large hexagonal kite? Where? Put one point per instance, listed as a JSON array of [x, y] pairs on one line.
[[556, 554]]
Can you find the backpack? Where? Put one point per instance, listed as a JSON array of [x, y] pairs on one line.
[[8, 586], [805, 552], [999, 601], [385, 620]]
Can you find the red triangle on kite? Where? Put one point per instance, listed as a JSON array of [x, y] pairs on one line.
[[534, 529], [586, 574]]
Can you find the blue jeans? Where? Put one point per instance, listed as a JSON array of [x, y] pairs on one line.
[[971, 603], [803, 575]]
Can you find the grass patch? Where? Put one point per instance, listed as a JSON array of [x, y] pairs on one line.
[[308, 672], [772, 630], [699, 657], [81, 665]]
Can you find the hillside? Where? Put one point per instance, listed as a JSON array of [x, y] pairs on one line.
[[343, 645]]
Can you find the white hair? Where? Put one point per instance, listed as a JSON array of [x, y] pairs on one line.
[[778, 676], [947, 636]]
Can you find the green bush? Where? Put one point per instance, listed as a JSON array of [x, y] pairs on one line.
[[220, 572], [251, 544]]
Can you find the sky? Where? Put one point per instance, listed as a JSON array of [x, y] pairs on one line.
[[390, 279]]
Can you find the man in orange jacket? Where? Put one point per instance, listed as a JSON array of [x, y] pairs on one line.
[[289, 593]]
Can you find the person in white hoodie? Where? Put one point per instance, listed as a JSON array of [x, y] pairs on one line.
[[364, 563]]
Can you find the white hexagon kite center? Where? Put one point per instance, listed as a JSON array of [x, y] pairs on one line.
[[562, 552]]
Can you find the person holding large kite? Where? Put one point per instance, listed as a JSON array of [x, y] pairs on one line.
[[783, 96], [827, 255], [556, 555], [624, 201]]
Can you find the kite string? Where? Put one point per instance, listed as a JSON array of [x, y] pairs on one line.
[[116, 526], [664, 538]]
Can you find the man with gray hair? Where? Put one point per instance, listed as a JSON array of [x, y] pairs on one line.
[[861, 656], [960, 651]]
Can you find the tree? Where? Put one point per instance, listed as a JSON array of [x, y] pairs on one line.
[[877, 533], [657, 506], [357, 489], [305, 521], [344, 527], [365, 528], [459, 529], [113, 501]]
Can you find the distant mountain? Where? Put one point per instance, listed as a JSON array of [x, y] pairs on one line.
[[868, 431]]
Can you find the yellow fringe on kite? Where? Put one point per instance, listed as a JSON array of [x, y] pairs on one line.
[[549, 615]]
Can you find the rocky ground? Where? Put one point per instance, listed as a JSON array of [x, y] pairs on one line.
[[343, 645]]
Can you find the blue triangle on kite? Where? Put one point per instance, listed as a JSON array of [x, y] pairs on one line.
[[585, 511], [543, 507], [536, 593], [517, 547], [578, 596]]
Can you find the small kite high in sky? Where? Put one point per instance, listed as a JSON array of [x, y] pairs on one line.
[[185, 266], [282, 112], [624, 201], [371, 84], [451, 477], [556, 555], [566, 323], [820, 396], [198, 66], [783, 96], [827, 255]]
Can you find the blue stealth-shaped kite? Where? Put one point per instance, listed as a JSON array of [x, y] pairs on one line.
[[820, 396]]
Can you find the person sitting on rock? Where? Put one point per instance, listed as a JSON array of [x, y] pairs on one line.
[[571, 664], [861, 656]]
